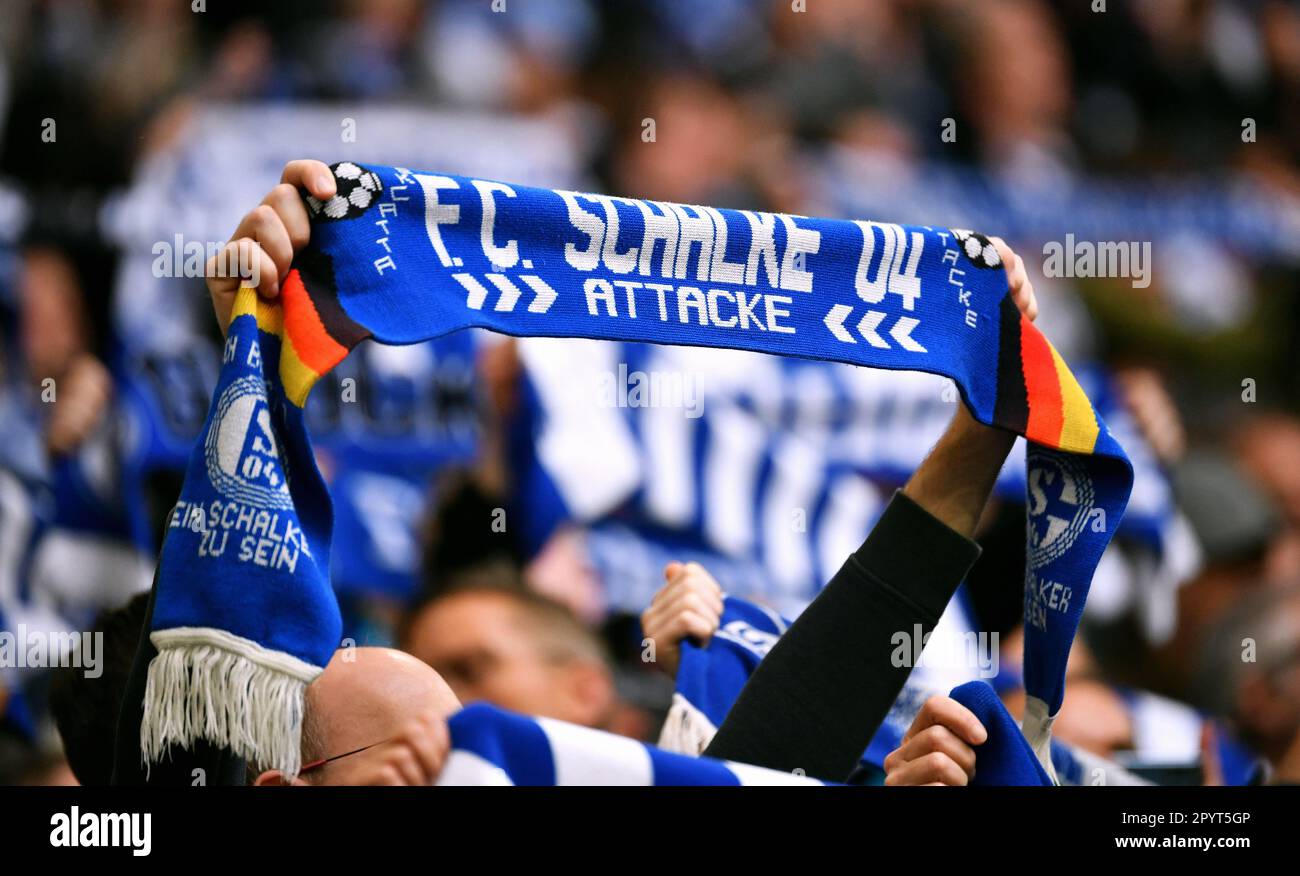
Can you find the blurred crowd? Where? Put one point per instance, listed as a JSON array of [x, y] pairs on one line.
[[754, 104]]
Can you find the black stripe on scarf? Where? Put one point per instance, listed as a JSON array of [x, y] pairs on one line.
[[1011, 410]]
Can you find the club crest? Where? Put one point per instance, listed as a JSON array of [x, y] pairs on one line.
[[1060, 499], [243, 457]]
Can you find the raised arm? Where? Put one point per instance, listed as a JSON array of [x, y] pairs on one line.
[[265, 242], [818, 697]]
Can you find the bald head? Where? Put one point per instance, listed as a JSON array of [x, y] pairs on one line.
[[365, 696]]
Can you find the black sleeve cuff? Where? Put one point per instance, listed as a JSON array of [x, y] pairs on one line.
[[916, 554]]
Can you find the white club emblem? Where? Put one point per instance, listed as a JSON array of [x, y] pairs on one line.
[[1060, 502], [243, 457]]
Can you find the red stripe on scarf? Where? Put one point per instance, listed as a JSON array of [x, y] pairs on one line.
[[1042, 385], [304, 329]]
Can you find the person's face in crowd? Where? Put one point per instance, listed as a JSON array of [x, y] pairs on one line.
[[1268, 450], [364, 697], [1268, 697], [53, 326], [1094, 718], [695, 152], [485, 649], [1018, 87]]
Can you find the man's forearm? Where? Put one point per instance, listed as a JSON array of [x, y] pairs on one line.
[[820, 694], [956, 478], [817, 698]]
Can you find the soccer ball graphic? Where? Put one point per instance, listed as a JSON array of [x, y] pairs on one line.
[[357, 190], [978, 248]]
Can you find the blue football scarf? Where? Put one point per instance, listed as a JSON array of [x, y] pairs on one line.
[[245, 617], [710, 678], [490, 746], [1005, 757]]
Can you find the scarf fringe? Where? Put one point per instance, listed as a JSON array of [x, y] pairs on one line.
[[1037, 729], [686, 730], [198, 691]]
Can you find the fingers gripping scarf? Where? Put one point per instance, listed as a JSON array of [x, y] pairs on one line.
[[245, 617]]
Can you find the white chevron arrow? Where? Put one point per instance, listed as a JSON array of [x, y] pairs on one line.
[[902, 332], [509, 292], [835, 322], [545, 295], [477, 293], [867, 327]]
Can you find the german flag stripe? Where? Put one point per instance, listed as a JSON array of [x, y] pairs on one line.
[[1011, 410], [316, 273], [296, 376], [1079, 427], [304, 331], [287, 319], [1060, 414], [247, 303], [308, 348], [1042, 386]]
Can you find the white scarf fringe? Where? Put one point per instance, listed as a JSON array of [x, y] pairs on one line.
[[235, 694]]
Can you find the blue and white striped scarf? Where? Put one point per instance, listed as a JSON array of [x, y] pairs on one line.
[[491, 746]]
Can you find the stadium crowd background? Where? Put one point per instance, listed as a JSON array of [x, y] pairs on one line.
[[1173, 122]]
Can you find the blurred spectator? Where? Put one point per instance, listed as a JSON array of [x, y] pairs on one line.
[[1268, 446], [85, 709], [498, 642], [1250, 672]]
